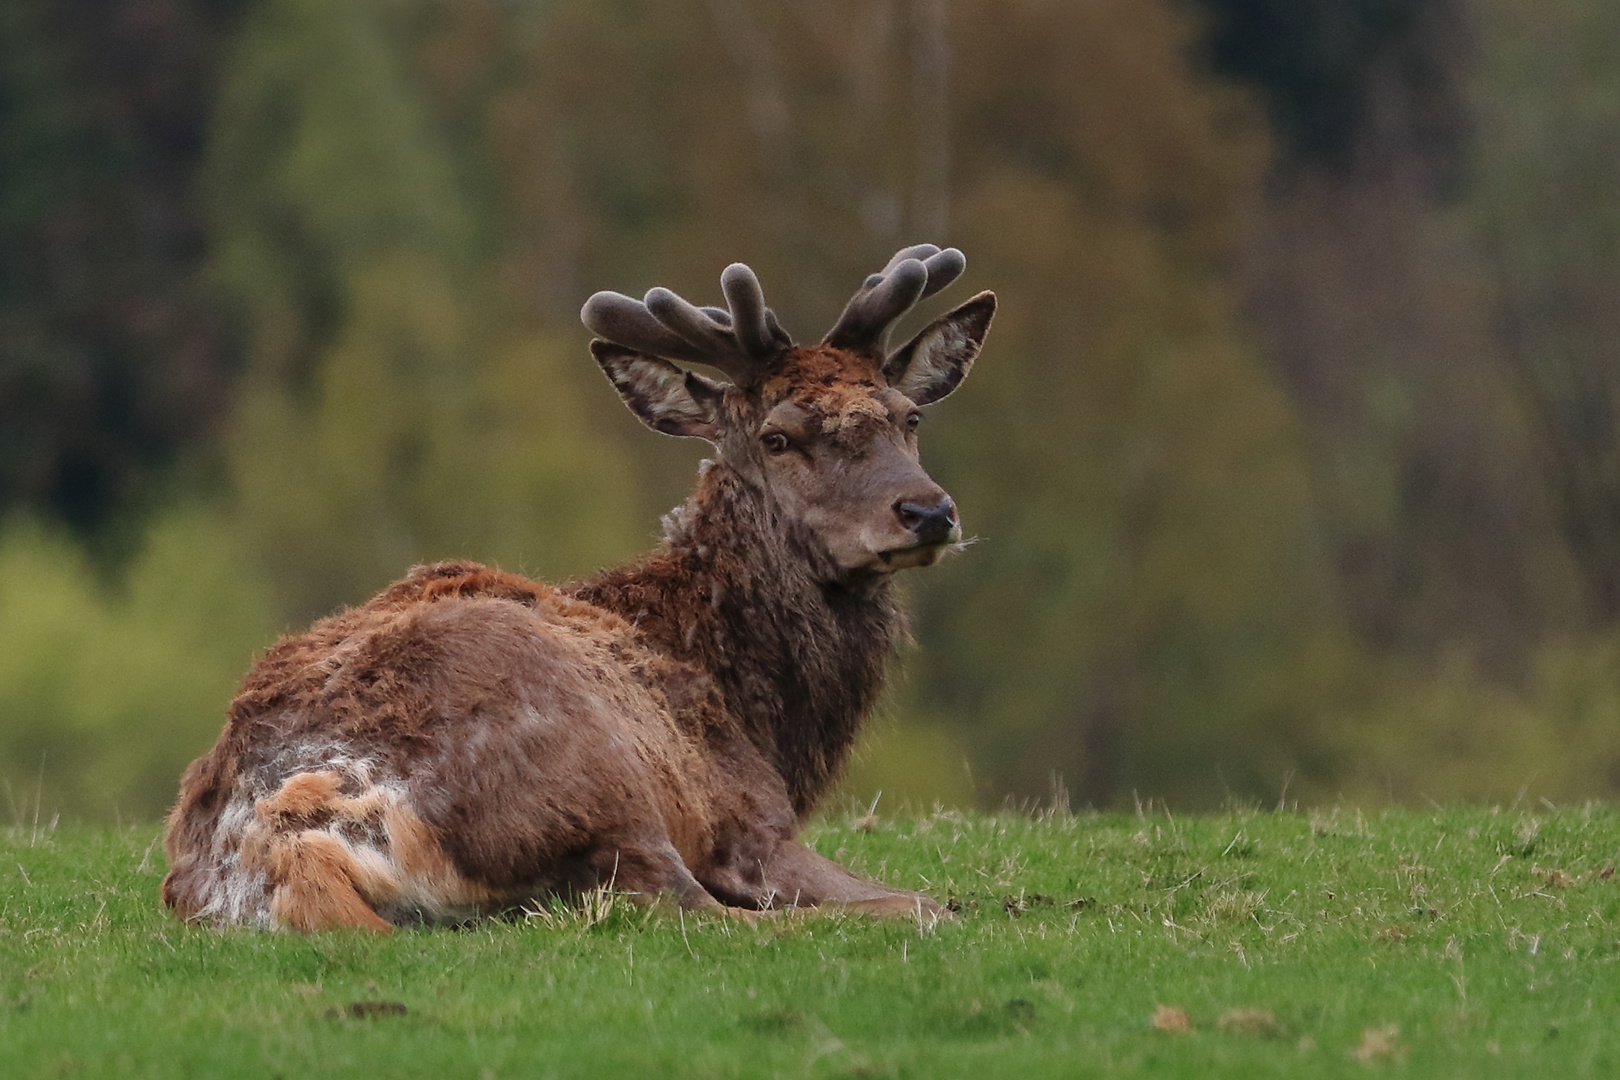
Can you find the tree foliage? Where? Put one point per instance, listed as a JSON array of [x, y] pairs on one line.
[[1288, 461], [1548, 98], [113, 360], [1324, 66], [391, 410]]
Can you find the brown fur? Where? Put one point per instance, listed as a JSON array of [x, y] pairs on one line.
[[317, 884], [470, 740]]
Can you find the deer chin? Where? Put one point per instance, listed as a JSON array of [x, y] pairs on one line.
[[909, 558], [872, 565]]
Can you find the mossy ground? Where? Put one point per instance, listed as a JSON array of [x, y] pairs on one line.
[[1456, 942]]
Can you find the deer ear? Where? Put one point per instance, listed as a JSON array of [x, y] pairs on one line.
[[663, 396], [931, 364]]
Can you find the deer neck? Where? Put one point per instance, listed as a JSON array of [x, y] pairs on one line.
[[798, 661]]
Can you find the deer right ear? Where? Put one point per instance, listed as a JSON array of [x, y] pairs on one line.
[[664, 397]]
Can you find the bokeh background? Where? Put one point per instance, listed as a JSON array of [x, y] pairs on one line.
[[1293, 457]]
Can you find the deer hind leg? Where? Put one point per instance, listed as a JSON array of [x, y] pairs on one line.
[[319, 879], [317, 888], [649, 873]]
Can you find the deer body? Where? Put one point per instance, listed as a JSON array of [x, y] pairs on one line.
[[471, 740]]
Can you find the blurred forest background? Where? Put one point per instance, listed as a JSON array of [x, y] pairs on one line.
[[1293, 456]]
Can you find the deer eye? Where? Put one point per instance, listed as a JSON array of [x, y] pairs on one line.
[[774, 441], [913, 420]]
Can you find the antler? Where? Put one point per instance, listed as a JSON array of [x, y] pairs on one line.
[[914, 273], [741, 342]]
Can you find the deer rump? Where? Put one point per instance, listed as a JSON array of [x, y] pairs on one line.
[[471, 740]]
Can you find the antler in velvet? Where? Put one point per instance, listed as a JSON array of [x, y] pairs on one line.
[[741, 342]]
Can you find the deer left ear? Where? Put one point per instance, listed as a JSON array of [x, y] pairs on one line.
[[662, 396], [931, 364]]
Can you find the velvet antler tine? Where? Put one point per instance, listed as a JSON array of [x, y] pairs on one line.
[[747, 302], [866, 319], [782, 338], [898, 292], [717, 343], [943, 268], [915, 272], [626, 321], [686, 321], [920, 252], [742, 341]]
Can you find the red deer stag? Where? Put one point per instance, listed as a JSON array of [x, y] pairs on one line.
[[471, 740]]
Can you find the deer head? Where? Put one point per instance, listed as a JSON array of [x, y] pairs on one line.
[[826, 433]]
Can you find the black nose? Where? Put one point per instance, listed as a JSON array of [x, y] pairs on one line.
[[930, 524]]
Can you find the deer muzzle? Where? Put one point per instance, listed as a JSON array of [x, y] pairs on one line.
[[933, 524]]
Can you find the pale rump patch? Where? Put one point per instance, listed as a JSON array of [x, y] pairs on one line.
[[323, 860], [223, 889]]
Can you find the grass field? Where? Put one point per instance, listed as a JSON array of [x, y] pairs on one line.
[[1451, 943]]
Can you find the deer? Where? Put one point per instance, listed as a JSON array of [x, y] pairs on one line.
[[471, 741]]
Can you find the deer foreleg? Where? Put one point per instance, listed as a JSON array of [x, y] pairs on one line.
[[798, 876]]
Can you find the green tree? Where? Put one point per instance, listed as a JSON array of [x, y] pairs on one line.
[[107, 692], [392, 409], [114, 361], [1547, 96]]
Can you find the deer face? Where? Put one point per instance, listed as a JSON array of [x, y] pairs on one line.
[[836, 447], [828, 434]]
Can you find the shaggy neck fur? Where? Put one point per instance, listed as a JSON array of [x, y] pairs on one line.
[[797, 655]]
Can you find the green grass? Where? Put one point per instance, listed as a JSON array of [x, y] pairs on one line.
[[1452, 943]]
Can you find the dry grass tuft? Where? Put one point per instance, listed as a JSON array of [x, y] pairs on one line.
[[1379, 1044], [1250, 1021], [1235, 906], [1172, 1019], [589, 909]]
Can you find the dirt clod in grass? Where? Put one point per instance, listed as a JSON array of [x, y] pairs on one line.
[[1015, 906], [365, 1009], [1172, 1019], [1379, 1044], [1250, 1021], [1607, 872], [1557, 879]]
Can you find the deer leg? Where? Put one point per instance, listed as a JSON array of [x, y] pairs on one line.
[[316, 878], [648, 873], [797, 875]]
